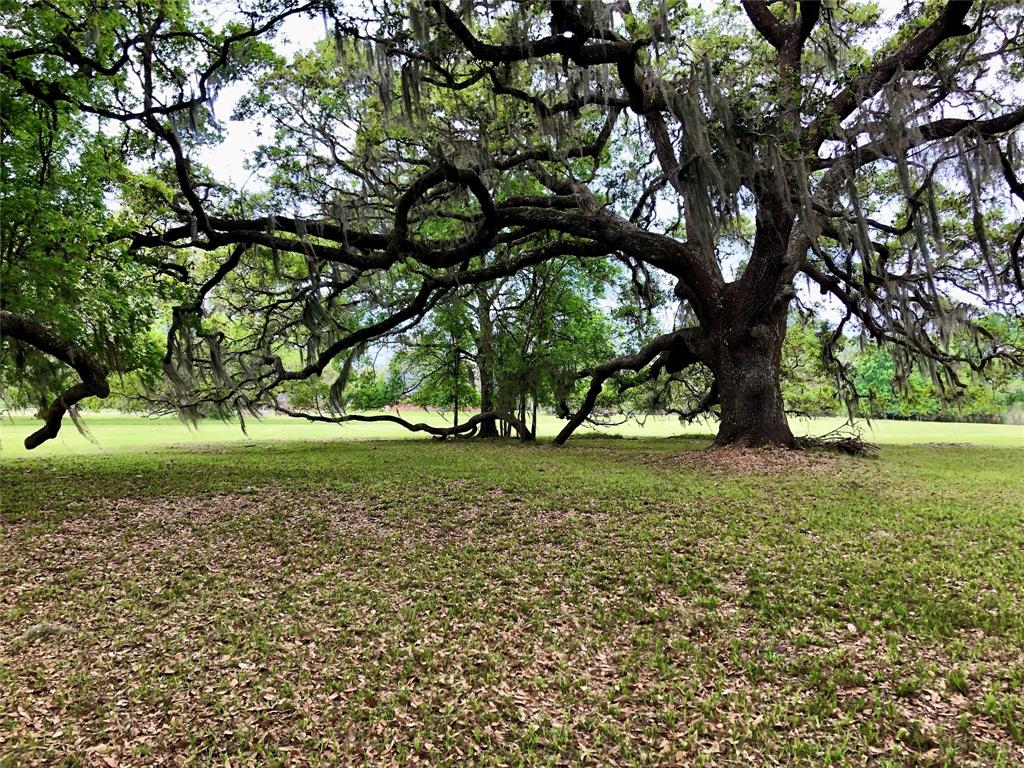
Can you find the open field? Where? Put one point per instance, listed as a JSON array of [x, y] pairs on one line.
[[115, 432], [613, 602]]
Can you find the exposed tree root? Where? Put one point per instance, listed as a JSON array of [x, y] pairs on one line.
[[836, 442]]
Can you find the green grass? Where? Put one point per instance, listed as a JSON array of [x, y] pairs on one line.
[[115, 433], [627, 602]]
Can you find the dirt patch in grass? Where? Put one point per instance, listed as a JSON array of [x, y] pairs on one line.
[[731, 460]]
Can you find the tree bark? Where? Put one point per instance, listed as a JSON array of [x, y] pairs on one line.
[[747, 372], [93, 372], [485, 359]]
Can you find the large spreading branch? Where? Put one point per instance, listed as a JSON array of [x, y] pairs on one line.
[[672, 348], [908, 57], [467, 428], [92, 372]]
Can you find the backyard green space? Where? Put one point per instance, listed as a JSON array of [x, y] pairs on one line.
[[116, 432], [613, 602], [450, 216]]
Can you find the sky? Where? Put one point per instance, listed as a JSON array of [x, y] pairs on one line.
[[227, 160]]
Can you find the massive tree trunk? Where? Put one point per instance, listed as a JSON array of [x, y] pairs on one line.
[[747, 369], [748, 328]]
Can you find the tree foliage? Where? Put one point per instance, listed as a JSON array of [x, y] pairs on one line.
[[77, 304]]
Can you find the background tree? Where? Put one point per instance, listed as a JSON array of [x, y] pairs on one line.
[[511, 346], [373, 390], [549, 324], [440, 358], [808, 386]]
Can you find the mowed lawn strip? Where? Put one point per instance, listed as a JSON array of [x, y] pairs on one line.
[[617, 602], [111, 432]]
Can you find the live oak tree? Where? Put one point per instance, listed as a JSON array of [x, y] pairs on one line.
[[740, 155]]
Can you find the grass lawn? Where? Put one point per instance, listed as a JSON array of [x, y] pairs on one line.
[[115, 432], [613, 602]]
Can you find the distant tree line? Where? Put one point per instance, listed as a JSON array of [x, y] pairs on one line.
[[875, 387]]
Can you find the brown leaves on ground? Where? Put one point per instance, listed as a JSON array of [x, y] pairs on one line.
[[730, 459], [271, 626]]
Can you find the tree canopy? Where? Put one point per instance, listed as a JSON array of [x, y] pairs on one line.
[[725, 162]]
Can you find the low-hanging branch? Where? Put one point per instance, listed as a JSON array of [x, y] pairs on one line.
[[92, 372], [672, 348], [465, 429]]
